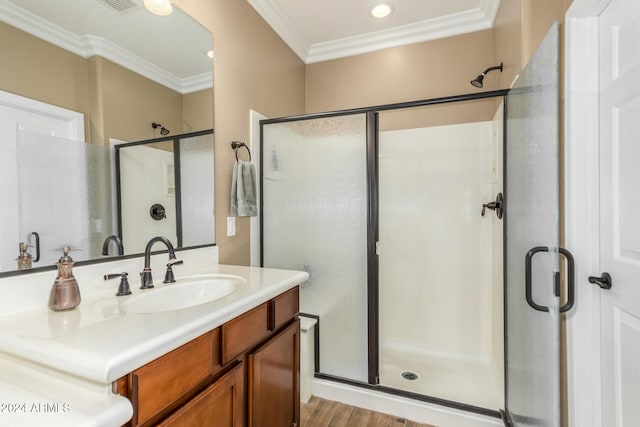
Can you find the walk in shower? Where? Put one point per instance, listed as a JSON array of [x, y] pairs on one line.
[[418, 224], [385, 211]]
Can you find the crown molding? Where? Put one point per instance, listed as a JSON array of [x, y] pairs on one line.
[[87, 46], [478, 19], [36, 26], [196, 83], [283, 26]]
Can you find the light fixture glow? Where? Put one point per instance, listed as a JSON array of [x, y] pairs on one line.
[[159, 7], [210, 54], [381, 10]]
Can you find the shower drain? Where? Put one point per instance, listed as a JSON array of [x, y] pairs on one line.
[[411, 376]]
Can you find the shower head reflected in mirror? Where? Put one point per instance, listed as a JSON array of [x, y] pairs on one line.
[[163, 130], [477, 82]]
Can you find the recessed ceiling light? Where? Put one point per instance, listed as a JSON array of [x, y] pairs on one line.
[[159, 7], [381, 10]]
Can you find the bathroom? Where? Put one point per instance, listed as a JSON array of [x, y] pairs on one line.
[[253, 56]]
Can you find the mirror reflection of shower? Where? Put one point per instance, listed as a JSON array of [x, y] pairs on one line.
[[478, 81], [165, 187], [163, 130]]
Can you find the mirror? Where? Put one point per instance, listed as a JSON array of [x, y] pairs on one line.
[[81, 77], [164, 189]]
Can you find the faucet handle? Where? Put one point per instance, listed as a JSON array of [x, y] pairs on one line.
[[123, 288], [168, 276]]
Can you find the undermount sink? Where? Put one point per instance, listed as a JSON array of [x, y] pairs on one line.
[[185, 292]]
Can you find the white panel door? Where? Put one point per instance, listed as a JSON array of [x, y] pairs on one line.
[[619, 29], [22, 114]]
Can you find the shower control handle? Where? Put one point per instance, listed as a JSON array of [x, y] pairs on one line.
[[496, 206]]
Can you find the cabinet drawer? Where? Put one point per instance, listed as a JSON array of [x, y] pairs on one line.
[[284, 307], [243, 332], [165, 380], [219, 405]]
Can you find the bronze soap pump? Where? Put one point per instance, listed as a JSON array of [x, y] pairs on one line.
[[65, 293]]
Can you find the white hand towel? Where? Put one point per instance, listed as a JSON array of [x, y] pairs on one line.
[[243, 189]]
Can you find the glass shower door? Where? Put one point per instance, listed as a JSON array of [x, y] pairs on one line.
[[314, 212], [532, 242]]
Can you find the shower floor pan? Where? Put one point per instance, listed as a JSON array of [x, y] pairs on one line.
[[469, 382]]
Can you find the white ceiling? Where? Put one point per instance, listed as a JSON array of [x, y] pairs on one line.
[[170, 50], [328, 29]]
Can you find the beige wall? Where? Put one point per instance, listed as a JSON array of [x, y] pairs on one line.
[[130, 103], [519, 28], [507, 41], [197, 111], [38, 70], [254, 69], [408, 73]]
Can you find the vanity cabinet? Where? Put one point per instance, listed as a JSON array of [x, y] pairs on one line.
[[274, 384], [245, 371]]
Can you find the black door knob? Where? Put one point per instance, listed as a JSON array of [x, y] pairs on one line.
[[603, 281]]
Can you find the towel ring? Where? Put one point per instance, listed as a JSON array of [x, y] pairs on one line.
[[237, 144]]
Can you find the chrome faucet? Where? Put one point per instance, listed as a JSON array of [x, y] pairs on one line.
[[146, 278], [105, 245]]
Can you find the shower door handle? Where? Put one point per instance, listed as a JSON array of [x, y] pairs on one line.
[[556, 279], [571, 281], [37, 244]]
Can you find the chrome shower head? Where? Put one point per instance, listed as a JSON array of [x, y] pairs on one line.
[[477, 82]]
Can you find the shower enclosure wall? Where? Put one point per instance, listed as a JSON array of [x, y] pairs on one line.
[[383, 209]]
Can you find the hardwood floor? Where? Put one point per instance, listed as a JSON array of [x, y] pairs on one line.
[[325, 413]]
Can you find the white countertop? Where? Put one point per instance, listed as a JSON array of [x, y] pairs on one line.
[[101, 344], [98, 343], [31, 398]]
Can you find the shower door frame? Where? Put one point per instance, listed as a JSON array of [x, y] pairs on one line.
[[372, 134]]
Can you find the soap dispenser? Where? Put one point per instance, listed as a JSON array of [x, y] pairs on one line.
[[65, 293], [24, 257]]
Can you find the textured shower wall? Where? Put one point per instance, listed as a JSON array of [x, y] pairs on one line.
[[436, 254], [196, 190], [315, 219]]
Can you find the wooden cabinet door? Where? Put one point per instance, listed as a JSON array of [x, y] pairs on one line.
[[219, 405], [274, 383]]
